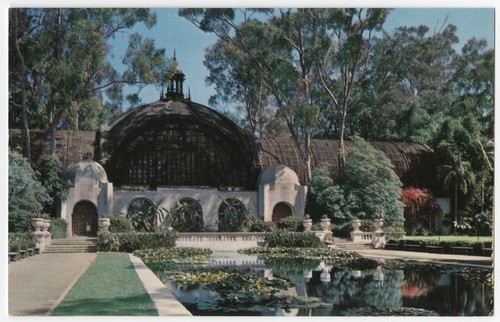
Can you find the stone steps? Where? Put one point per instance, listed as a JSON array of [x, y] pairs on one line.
[[72, 245]]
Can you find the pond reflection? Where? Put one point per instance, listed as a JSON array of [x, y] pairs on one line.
[[322, 289]]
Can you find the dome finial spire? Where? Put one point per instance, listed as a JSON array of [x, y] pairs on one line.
[[175, 90]]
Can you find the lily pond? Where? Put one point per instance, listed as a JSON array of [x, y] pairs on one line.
[[327, 283]]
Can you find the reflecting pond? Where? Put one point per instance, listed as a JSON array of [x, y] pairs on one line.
[[318, 288]]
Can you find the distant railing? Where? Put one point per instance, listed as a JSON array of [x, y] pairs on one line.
[[221, 237], [219, 241]]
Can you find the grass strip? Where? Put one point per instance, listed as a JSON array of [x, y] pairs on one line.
[[110, 287]]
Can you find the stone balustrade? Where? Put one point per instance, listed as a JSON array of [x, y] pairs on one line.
[[375, 237], [221, 241]]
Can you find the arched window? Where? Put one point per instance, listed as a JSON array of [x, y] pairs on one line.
[[142, 212], [232, 215], [187, 216], [281, 210]]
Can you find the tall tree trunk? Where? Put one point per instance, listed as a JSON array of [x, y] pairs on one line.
[[456, 206], [308, 158], [22, 77], [342, 141], [52, 116], [53, 141]]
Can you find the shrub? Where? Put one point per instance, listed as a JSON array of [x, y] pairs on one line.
[[366, 225], [20, 241], [187, 216], [234, 217], [291, 223], [120, 224], [26, 194], [58, 228], [283, 238], [53, 178], [259, 225], [394, 233], [129, 242]]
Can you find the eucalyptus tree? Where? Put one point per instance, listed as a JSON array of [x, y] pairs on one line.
[[406, 90], [473, 83], [265, 63], [348, 34], [63, 62]]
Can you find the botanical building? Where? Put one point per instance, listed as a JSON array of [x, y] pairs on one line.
[[176, 150]]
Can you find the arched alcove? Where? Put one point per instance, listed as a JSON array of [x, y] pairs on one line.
[[231, 213], [187, 216], [142, 213]]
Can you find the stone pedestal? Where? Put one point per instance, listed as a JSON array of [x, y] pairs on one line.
[[41, 232], [211, 228], [325, 224], [37, 224], [47, 236], [378, 238], [307, 223], [356, 234], [103, 223]]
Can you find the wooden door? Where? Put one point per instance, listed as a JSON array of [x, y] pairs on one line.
[[84, 219]]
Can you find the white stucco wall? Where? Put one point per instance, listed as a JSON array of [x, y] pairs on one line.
[[209, 199], [89, 184]]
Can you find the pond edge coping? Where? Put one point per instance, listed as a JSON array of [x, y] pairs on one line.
[[165, 302]]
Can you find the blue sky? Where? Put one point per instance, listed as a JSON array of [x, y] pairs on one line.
[[175, 33]]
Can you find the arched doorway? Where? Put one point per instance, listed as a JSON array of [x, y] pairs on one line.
[[84, 219], [281, 210]]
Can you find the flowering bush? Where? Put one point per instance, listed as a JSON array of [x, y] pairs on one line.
[[419, 205]]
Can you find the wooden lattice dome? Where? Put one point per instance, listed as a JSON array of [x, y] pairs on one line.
[[176, 142], [414, 163]]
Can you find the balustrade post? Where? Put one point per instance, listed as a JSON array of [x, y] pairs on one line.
[[378, 238], [356, 234]]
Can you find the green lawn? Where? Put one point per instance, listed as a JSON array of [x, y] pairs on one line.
[[110, 286], [453, 238]]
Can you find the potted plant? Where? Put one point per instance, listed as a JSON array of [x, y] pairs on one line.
[[307, 223], [325, 223], [104, 223], [37, 223]]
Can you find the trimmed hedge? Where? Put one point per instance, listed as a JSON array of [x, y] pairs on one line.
[[120, 224], [20, 241], [291, 223], [130, 242], [259, 225], [283, 238], [420, 245]]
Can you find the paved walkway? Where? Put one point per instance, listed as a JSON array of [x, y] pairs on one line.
[[428, 257], [38, 284]]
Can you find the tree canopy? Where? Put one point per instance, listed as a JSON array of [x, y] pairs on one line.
[[61, 75]]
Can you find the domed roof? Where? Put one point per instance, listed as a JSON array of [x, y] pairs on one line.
[[88, 169], [278, 173], [165, 111]]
